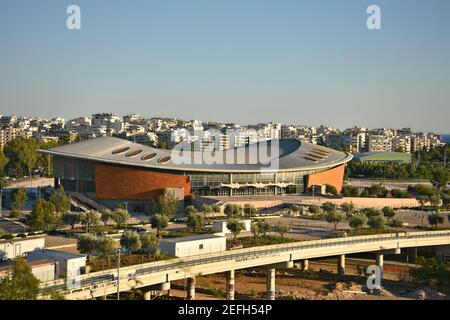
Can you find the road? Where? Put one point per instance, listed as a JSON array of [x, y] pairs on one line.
[[104, 282]]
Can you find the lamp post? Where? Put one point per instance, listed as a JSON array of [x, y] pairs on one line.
[[126, 209], [118, 274], [1, 197]]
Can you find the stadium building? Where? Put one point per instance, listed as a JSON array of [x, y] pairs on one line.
[[112, 169]]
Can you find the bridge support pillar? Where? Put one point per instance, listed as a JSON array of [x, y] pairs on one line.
[[341, 265], [148, 295], [305, 265], [270, 284], [230, 285], [380, 262], [191, 288]]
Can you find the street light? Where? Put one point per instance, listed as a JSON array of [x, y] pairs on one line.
[[118, 274], [1, 196], [126, 220]]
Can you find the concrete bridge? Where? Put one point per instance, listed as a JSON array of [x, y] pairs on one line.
[[158, 275]]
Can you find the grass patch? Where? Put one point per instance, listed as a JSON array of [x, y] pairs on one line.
[[126, 260], [248, 242]]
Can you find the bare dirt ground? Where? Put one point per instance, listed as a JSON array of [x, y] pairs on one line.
[[291, 285]]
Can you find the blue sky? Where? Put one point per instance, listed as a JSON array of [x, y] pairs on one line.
[[304, 61]]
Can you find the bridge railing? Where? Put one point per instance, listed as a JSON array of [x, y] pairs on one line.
[[230, 255]]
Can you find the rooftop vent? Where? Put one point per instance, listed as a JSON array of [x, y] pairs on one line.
[[320, 151], [121, 150], [314, 156], [164, 159], [309, 158], [148, 157], [133, 153]]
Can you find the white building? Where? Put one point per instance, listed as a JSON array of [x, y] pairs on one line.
[[221, 225], [68, 265], [193, 245], [43, 270], [14, 248]]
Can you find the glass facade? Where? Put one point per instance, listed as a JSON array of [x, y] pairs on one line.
[[212, 184], [79, 175], [74, 174]]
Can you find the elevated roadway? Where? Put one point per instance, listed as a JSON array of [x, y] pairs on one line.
[[102, 283]]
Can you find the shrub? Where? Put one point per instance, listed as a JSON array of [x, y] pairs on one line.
[[7, 236], [349, 191], [22, 235], [396, 223], [397, 193], [357, 221], [376, 222], [331, 190]]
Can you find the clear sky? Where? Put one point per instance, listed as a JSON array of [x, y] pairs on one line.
[[291, 61]]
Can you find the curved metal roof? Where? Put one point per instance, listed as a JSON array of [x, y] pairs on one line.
[[284, 155]]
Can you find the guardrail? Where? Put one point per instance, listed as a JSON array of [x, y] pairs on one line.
[[177, 263]]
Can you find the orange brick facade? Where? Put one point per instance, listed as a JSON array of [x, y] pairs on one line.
[[334, 177], [120, 183]]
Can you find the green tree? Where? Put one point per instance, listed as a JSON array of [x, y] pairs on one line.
[[71, 219], [376, 222], [206, 208], [21, 284], [431, 272], [120, 216], [87, 244], [196, 222], [314, 209], [357, 221], [106, 216], [43, 216], [396, 223], [159, 222], [22, 155], [334, 217], [440, 178], [236, 227], [60, 200], [329, 207], [90, 219], [331, 189], [349, 191], [388, 212], [348, 209], [254, 229], [168, 204], [233, 210], [216, 208], [435, 200], [18, 198], [281, 229], [131, 241], [435, 218], [371, 212], [153, 208], [104, 247], [149, 242], [3, 162], [264, 227], [249, 210], [190, 209]]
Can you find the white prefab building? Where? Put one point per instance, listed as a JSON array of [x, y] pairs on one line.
[[193, 245], [43, 270], [14, 248], [68, 265], [221, 225]]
